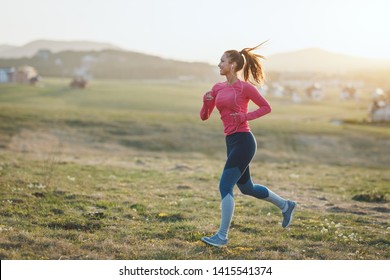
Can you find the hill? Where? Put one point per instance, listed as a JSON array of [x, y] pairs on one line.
[[318, 60], [102, 60], [112, 64], [30, 49], [5, 48]]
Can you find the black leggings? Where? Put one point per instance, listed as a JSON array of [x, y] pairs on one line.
[[241, 148]]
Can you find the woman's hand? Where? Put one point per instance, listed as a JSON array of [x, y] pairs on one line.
[[208, 96], [239, 118]]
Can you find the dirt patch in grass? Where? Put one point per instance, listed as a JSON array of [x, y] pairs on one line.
[[371, 197]]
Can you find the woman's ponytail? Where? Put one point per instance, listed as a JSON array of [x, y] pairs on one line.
[[253, 65]]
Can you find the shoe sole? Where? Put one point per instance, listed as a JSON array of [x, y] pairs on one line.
[[211, 243], [291, 216]]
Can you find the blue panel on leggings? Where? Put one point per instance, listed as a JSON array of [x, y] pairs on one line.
[[229, 178]]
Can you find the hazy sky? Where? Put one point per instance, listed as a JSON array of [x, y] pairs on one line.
[[200, 30]]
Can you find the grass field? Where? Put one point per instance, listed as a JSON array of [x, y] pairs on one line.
[[127, 170]]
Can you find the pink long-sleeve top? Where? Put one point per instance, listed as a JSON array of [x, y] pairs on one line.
[[232, 104]]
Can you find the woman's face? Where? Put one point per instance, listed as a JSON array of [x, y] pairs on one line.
[[225, 66]]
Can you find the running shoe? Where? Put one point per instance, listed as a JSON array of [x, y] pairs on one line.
[[214, 240], [288, 215]]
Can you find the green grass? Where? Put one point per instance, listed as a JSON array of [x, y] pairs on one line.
[[126, 170]]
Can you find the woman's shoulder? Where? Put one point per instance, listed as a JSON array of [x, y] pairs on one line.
[[218, 86], [249, 88], [248, 85]]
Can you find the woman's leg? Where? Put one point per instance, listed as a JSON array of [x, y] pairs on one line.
[[247, 187], [241, 148]]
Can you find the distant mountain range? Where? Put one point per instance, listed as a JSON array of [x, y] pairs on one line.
[[107, 60], [97, 60], [30, 49], [318, 60]]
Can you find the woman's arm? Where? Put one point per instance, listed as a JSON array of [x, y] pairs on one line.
[[208, 105], [264, 107]]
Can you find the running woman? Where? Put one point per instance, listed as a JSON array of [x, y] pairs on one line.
[[231, 99]]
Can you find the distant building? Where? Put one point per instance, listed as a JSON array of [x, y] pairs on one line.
[[25, 75], [43, 54], [78, 82], [22, 75], [314, 92], [88, 61], [380, 114], [277, 90], [6, 74], [349, 92], [379, 110]]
